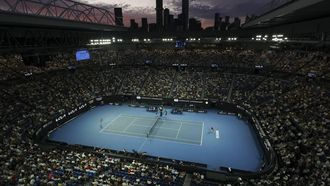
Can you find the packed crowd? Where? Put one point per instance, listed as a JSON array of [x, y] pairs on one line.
[[293, 109], [164, 56]]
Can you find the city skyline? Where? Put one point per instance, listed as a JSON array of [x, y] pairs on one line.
[[202, 10]]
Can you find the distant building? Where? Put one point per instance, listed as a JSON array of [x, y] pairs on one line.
[[237, 23], [145, 26], [220, 22], [166, 19], [175, 24], [226, 24], [194, 25], [179, 23], [134, 26], [185, 14], [159, 14], [210, 28], [152, 27], [119, 17], [171, 23], [227, 20], [217, 21]]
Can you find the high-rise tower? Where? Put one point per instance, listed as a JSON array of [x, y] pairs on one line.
[[119, 17], [166, 19], [217, 21], [185, 14], [159, 14]]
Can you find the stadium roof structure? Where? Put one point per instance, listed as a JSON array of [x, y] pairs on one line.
[[39, 26], [292, 12], [56, 13]]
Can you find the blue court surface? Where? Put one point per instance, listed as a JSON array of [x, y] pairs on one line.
[[184, 137]]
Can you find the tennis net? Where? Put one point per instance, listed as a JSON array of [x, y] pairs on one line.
[[152, 127]]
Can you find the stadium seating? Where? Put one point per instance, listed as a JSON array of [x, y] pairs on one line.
[[293, 109]]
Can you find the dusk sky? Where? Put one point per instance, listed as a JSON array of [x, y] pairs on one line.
[[203, 10]]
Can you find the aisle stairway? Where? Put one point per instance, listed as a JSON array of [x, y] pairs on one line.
[[187, 181]]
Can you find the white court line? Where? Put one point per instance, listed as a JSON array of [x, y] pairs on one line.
[[190, 122], [165, 128], [126, 134], [202, 134], [155, 127], [168, 140], [186, 122], [110, 123], [176, 138], [141, 126], [140, 117], [178, 131], [142, 145], [129, 124], [139, 135], [155, 136]]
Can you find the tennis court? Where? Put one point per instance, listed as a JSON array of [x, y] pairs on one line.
[[185, 137], [154, 127]]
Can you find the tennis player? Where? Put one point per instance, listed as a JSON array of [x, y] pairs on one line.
[[212, 130], [162, 111]]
